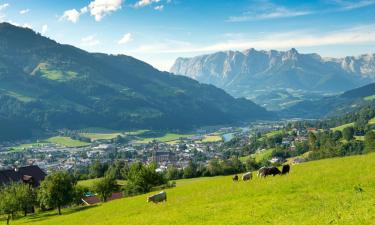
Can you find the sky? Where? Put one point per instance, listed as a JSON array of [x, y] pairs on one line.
[[159, 31]]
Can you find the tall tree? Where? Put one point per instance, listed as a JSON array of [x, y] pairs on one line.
[[56, 190], [370, 141], [348, 133], [104, 187]]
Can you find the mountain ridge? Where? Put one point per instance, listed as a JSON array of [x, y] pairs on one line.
[[242, 73], [54, 86]]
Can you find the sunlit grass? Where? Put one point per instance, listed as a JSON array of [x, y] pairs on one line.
[[331, 191]]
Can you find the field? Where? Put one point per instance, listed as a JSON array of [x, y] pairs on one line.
[[369, 98], [342, 127], [165, 138], [66, 141], [330, 191], [372, 121], [90, 183], [212, 138]]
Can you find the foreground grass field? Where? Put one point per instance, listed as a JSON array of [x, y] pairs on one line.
[[332, 191]]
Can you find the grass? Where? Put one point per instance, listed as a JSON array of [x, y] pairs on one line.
[[67, 141], [101, 136], [165, 138], [259, 156], [330, 191], [57, 75], [369, 98], [211, 138], [274, 133], [372, 121], [342, 127], [90, 182]]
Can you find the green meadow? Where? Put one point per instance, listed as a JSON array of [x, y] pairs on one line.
[[342, 127], [67, 141], [330, 191]]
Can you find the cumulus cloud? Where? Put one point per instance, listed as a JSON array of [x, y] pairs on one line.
[[97, 8], [24, 11], [101, 8], [159, 7], [125, 39], [44, 29], [71, 15], [4, 6], [143, 3], [90, 40]]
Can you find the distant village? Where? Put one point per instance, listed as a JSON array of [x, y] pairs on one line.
[[50, 156]]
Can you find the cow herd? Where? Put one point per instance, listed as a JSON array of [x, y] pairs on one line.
[[264, 172]]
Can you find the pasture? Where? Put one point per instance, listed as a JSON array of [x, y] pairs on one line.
[[330, 191], [342, 127], [67, 141]]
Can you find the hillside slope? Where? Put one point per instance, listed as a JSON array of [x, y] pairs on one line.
[[318, 192], [45, 85], [351, 100]]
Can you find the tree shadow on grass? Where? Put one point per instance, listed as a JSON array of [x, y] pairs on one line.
[[37, 217]]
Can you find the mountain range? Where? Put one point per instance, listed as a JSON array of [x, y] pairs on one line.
[[46, 86], [257, 74]]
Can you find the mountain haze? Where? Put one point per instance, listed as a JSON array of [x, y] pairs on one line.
[[46, 86]]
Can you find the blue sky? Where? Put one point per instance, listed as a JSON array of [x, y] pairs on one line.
[[159, 31]]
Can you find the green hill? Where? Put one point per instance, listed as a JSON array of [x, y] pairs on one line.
[[331, 191], [45, 85], [352, 100]]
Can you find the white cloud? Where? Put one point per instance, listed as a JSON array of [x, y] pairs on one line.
[[4, 6], [24, 11], [265, 10], [125, 39], [97, 8], [26, 25], [354, 35], [44, 29], [159, 7], [143, 3], [351, 5], [101, 8], [90, 41], [71, 15]]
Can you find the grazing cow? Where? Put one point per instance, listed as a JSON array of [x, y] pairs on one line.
[[269, 171], [272, 171], [235, 178], [285, 170], [160, 197], [247, 176], [261, 171]]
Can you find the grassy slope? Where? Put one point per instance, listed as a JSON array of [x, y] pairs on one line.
[[342, 127], [319, 192]]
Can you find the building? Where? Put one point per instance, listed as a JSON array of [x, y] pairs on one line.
[[163, 156], [31, 175]]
